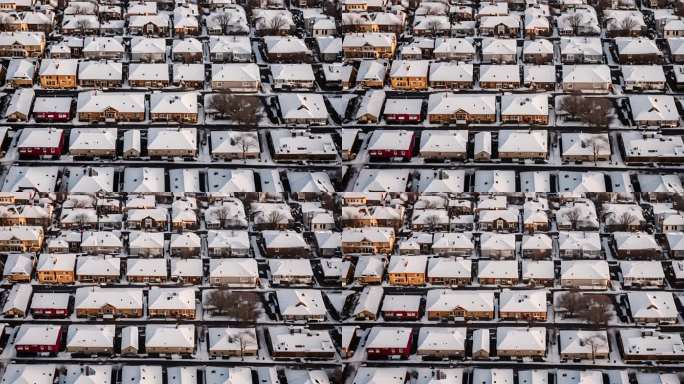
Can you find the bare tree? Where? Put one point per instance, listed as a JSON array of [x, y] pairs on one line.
[[246, 141], [625, 220], [222, 214], [576, 21], [274, 218], [597, 112], [82, 26], [572, 105], [242, 306], [679, 8], [595, 342], [225, 21], [244, 338], [626, 26], [597, 311], [432, 27], [597, 143], [331, 8], [573, 215], [572, 302], [432, 222], [276, 25], [245, 110]]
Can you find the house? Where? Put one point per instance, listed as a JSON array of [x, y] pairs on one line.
[[374, 375], [368, 303], [148, 49], [230, 49], [442, 342], [407, 270], [187, 50], [389, 343], [93, 142], [108, 302], [58, 73], [22, 44], [650, 147], [449, 271], [287, 49], [646, 344], [520, 144], [188, 76], [520, 342], [499, 245], [652, 307], [529, 109], [624, 22], [585, 274], [185, 244], [370, 106], [642, 273], [523, 305], [303, 108], [300, 342], [35, 142], [401, 307], [20, 105], [180, 107], [98, 106], [17, 302], [539, 77], [170, 338], [301, 304], [21, 239], [20, 73], [446, 107], [676, 46], [171, 302], [440, 144], [504, 25], [52, 109], [148, 75], [581, 50], [388, 144], [643, 77], [453, 304], [102, 48], [50, 305], [233, 272], [585, 146], [292, 76], [403, 110], [149, 25], [377, 240], [536, 21], [594, 78], [18, 267], [56, 269], [583, 344], [538, 272], [38, 338], [537, 246], [232, 342], [451, 75], [675, 243], [499, 51], [637, 245], [149, 271], [147, 219], [142, 374], [90, 338], [409, 74], [659, 111], [237, 77], [291, 271], [637, 51], [374, 45], [39, 373], [370, 270], [100, 269]]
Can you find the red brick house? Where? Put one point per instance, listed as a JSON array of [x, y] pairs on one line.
[[50, 305], [387, 144], [38, 338], [401, 307], [52, 109], [389, 343], [35, 142], [403, 110]]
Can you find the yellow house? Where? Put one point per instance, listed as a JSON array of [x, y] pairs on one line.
[[58, 73], [56, 268], [407, 270], [409, 74]]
